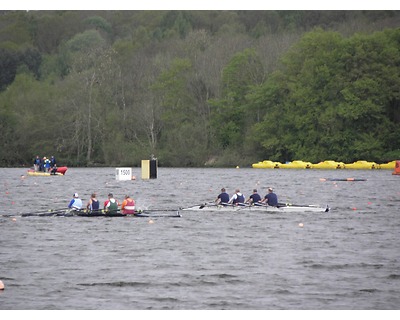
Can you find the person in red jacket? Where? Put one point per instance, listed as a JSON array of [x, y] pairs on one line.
[[128, 205]]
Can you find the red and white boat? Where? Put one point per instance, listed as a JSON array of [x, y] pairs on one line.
[[60, 172]]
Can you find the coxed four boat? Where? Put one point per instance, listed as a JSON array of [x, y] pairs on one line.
[[100, 213], [281, 208]]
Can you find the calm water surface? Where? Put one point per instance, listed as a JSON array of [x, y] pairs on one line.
[[348, 258]]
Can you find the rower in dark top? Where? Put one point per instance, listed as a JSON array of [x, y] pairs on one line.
[[223, 198], [93, 204], [254, 199], [270, 198], [237, 199]]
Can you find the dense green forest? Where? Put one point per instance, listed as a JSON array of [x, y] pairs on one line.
[[199, 88]]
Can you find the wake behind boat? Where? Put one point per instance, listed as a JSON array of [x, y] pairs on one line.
[[282, 208]]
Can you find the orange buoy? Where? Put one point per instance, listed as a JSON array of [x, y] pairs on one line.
[[1, 285]]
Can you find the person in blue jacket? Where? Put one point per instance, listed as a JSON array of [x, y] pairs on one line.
[[46, 164]]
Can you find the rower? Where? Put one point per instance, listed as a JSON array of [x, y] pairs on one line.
[[254, 199], [75, 203], [223, 198], [270, 198], [128, 205], [93, 204], [111, 205], [237, 199]]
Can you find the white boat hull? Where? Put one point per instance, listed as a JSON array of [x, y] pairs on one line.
[[258, 209]]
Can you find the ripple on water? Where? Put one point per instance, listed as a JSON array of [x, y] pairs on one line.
[[344, 259]]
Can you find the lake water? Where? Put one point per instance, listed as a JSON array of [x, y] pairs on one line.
[[346, 259]]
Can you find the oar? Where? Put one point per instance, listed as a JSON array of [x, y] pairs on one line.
[[96, 211], [344, 179], [155, 210], [53, 212], [260, 204], [205, 204], [281, 204], [7, 215], [223, 204], [252, 205], [42, 214], [42, 211], [141, 215], [201, 206], [209, 204], [48, 212]]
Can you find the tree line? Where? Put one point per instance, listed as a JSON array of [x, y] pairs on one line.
[[195, 88]]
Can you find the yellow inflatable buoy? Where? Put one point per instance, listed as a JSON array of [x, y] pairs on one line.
[[237, 167]]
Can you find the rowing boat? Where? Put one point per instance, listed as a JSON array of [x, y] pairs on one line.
[[100, 213], [342, 179], [281, 208]]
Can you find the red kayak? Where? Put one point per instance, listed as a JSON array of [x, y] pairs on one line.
[[60, 172]]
